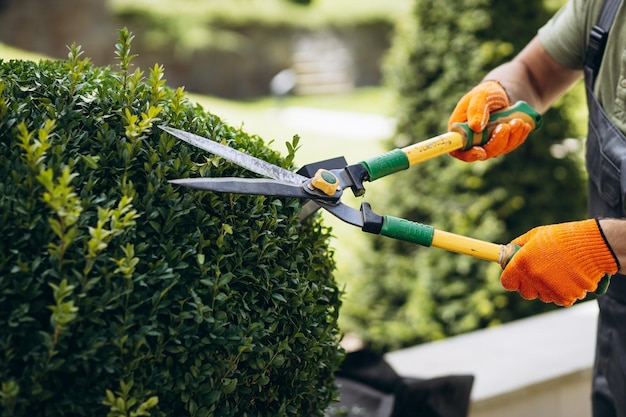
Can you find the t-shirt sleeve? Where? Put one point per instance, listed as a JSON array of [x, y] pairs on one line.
[[566, 34]]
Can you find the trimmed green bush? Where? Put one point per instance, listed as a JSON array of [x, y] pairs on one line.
[[123, 295]]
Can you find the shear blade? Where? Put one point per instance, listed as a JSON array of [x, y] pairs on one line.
[[249, 162], [253, 186]]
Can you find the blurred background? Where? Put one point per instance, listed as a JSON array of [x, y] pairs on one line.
[[356, 78], [229, 49]]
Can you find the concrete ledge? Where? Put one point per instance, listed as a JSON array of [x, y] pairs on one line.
[[539, 366]]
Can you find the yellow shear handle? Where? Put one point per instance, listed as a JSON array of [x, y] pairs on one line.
[[488, 251], [433, 147]]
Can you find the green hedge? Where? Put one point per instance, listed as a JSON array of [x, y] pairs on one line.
[[123, 295]]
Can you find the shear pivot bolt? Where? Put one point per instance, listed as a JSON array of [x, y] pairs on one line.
[[325, 181]]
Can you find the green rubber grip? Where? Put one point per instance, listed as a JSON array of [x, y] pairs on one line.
[[386, 164], [520, 110], [603, 285], [509, 252], [407, 231]]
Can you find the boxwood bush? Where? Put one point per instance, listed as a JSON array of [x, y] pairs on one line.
[[123, 295]]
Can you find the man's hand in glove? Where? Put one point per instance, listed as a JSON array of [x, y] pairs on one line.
[[475, 108], [560, 263]]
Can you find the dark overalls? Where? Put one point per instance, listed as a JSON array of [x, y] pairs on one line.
[[606, 166]]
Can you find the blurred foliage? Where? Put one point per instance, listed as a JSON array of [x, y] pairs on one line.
[[198, 24], [124, 295], [407, 294]]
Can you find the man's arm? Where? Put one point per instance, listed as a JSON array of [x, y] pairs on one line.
[[534, 76]]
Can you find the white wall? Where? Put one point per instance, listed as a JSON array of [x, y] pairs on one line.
[[539, 366]]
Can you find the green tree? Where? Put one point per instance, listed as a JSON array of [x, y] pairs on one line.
[[408, 294]]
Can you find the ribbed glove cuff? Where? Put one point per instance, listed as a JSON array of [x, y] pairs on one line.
[[606, 242]]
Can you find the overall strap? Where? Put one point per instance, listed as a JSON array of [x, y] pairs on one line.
[[598, 37]]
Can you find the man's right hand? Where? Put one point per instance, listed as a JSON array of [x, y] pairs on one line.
[[475, 108], [560, 263]]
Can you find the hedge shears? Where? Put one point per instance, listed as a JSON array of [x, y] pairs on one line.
[[322, 184]]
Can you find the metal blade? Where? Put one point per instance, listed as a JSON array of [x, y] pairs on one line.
[[244, 160], [253, 186], [256, 186], [343, 212]]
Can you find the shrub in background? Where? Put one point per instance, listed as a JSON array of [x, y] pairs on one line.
[[122, 295]]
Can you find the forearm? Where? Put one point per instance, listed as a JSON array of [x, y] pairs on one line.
[[615, 232], [535, 77], [515, 80]]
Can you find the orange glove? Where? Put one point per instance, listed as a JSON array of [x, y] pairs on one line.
[[560, 263], [475, 108]]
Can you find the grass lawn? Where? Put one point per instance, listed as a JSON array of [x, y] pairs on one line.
[[8, 52]]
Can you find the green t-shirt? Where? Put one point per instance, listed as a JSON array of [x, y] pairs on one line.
[[566, 36]]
